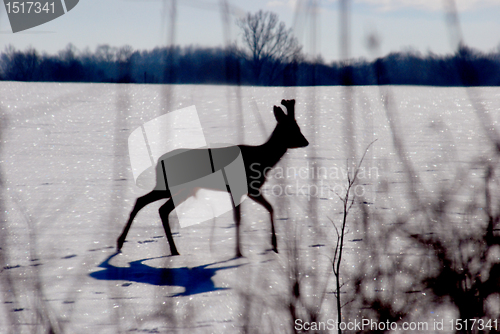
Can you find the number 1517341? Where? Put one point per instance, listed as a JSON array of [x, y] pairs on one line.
[[26, 7]]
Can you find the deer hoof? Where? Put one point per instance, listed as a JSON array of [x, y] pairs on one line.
[[119, 244]]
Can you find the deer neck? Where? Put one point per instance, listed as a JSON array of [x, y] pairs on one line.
[[273, 149]]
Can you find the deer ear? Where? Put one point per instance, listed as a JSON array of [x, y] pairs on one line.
[[279, 114], [290, 107]]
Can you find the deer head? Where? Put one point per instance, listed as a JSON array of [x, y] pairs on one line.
[[288, 131]]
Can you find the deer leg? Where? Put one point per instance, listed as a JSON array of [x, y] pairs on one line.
[[164, 211], [261, 200], [141, 202], [237, 219]]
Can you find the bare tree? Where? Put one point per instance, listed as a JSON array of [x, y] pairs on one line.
[[105, 52], [19, 65], [269, 44], [124, 60], [69, 54]]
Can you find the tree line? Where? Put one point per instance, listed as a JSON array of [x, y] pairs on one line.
[[269, 56], [198, 65]]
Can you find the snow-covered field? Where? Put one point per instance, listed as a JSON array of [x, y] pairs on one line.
[[67, 190]]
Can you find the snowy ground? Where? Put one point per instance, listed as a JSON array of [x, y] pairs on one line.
[[68, 190]]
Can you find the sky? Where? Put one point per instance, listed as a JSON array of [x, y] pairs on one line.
[[399, 25]]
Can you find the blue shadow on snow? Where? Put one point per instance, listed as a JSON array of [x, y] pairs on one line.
[[195, 280]]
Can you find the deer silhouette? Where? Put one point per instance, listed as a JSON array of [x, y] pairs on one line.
[[257, 160]]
